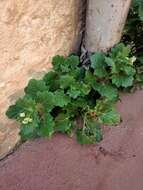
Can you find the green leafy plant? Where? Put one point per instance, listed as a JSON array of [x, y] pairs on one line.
[[69, 93], [133, 34], [137, 6], [73, 99], [134, 28]]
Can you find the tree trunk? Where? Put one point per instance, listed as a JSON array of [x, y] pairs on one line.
[[104, 23]]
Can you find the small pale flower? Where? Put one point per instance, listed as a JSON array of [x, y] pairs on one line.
[[24, 122], [27, 120], [133, 59], [22, 114], [30, 120]]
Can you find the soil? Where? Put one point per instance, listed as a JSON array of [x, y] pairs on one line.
[[61, 164]]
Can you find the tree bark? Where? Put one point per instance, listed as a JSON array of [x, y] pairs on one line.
[[104, 23]]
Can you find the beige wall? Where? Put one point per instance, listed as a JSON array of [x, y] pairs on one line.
[[31, 32]]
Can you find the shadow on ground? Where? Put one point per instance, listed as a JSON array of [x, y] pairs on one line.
[[62, 164]]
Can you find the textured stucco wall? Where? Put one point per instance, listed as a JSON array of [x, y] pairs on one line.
[[31, 32]]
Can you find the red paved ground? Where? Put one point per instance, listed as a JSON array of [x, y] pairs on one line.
[[62, 164]]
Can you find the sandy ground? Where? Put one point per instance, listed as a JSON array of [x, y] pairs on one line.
[[62, 164]]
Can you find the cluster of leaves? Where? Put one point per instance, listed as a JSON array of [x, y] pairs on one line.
[[70, 93], [133, 35], [134, 26], [137, 7]]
